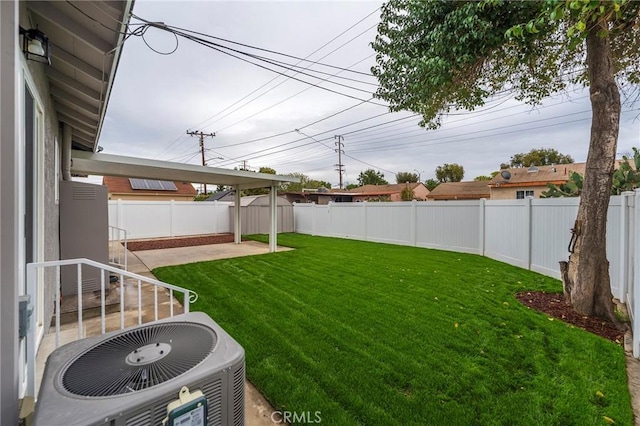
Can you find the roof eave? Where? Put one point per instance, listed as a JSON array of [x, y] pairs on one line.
[[114, 68]]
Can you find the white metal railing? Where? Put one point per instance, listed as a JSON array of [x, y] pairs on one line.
[[118, 247], [32, 289]]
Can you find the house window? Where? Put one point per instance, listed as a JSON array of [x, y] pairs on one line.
[[521, 195]]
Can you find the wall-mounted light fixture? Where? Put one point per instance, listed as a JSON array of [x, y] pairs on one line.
[[35, 45]]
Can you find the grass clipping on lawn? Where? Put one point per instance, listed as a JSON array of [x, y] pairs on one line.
[[367, 333]]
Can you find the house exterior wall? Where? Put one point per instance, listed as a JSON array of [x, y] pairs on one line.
[[364, 197], [509, 192], [420, 192], [15, 74], [9, 214], [50, 240]]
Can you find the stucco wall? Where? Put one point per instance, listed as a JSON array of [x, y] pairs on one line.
[[509, 193], [420, 192]]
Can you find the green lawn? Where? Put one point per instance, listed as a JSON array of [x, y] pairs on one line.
[[377, 334]]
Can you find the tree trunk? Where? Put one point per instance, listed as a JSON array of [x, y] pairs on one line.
[[588, 268]]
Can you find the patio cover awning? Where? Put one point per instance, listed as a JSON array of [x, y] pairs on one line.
[[89, 163]]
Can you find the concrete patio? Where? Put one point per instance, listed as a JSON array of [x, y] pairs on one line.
[[257, 410]]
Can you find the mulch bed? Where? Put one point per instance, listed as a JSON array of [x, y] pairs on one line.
[[179, 242], [553, 305]]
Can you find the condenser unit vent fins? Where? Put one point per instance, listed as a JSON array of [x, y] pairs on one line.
[[84, 193], [238, 397], [160, 410], [142, 419], [138, 359], [213, 392]]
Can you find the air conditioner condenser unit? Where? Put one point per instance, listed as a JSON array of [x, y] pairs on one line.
[[129, 377]]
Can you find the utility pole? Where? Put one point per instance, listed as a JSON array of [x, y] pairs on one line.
[[202, 135], [340, 151], [244, 165]]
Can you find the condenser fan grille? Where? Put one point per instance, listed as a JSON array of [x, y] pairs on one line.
[[138, 359]]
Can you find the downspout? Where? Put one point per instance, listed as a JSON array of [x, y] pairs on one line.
[[66, 151]]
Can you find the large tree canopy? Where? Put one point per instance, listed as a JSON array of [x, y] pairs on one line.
[[371, 177], [450, 172], [404, 177], [305, 183], [435, 56], [537, 157]]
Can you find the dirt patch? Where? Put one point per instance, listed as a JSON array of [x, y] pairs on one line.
[[553, 305], [164, 243]]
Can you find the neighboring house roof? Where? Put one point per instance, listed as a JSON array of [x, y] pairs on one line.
[[536, 176], [472, 190], [383, 189], [540, 175], [262, 200], [220, 195], [122, 185]]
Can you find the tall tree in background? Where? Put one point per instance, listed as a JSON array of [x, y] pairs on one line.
[[371, 177], [449, 172], [431, 184], [404, 177], [434, 56], [259, 191], [537, 157], [305, 183]]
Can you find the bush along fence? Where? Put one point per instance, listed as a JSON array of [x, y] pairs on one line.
[[532, 233]]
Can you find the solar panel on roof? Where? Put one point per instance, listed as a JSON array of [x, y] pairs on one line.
[[153, 185]]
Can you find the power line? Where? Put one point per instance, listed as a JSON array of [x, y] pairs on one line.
[[187, 32], [280, 102], [275, 78], [216, 48]]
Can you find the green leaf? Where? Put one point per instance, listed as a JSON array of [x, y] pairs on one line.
[[581, 26]]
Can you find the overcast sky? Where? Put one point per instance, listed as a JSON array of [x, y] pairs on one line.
[[156, 98]]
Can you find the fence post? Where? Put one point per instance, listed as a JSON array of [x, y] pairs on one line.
[[481, 225], [414, 223], [119, 218], [364, 220], [636, 275], [171, 215], [314, 213], [624, 244], [330, 227], [529, 237], [215, 217]]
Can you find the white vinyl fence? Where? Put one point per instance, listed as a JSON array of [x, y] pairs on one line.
[[531, 233], [150, 219], [155, 219]]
